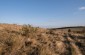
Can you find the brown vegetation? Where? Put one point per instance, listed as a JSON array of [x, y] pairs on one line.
[[28, 40]]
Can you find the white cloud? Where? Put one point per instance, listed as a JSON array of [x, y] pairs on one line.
[[82, 8]]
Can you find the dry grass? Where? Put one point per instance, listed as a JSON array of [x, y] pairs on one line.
[[28, 40]]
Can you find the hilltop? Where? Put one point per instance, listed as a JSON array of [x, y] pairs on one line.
[[27, 40]]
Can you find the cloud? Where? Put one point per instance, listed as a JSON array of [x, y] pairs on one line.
[[82, 8]]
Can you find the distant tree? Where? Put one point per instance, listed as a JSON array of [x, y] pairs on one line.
[[83, 30], [69, 30]]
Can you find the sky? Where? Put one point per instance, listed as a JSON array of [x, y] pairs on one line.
[[43, 13]]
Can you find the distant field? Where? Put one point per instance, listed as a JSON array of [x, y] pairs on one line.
[[76, 29]]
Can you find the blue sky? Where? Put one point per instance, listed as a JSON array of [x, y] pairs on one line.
[[43, 13]]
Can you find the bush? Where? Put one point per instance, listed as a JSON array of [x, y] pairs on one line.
[[26, 29], [69, 30]]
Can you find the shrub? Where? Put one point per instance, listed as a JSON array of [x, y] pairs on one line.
[[26, 29], [69, 30]]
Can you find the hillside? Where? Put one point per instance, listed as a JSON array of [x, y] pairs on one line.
[[28, 40]]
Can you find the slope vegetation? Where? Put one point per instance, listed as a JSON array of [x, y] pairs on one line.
[[28, 40]]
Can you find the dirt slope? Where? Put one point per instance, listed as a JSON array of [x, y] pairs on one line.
[[28, 40]]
